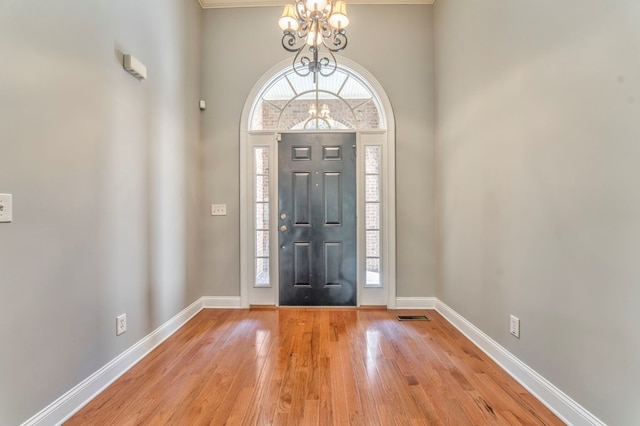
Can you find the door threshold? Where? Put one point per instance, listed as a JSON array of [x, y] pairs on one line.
[[317, 307], [263, 307], [276, 307]]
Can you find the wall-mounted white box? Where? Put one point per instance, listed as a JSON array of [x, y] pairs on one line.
[[6, 208], [135, 67]]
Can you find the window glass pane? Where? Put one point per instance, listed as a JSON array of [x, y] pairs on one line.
[[372, 215], [360, 106], [311, 96], [372, 159], [262, 271], [295, 114], [373, 243], [312, 114], [262, 243], [372, 188], [265, 115], [332, 83], [262, 188], [354, 90], [368, 115], [301, 84], [343, 123], [262, 215], [373, 271], [262, 161], [280, 90]]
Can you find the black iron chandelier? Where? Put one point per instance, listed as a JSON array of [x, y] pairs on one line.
[[314, 30]]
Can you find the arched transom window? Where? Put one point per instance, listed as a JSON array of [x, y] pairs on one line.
[[342, 101]]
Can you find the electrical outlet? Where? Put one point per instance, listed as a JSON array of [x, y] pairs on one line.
[[6, 208], [121, 324], [218, 209], [514, 326]]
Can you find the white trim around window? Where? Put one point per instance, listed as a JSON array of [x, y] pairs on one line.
[[385, 293]]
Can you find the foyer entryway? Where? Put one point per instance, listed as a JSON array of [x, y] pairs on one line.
[[350, 102]]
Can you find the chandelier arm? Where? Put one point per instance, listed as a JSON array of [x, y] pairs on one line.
[[303, 30], [336, 43], [304, 61], [329, 9], [326, 30], [290, 42], [301, 11], [327, 66]]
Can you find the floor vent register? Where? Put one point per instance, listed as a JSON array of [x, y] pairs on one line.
[[412, 318]]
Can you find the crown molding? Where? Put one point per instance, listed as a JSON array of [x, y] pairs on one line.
[[219, 4]]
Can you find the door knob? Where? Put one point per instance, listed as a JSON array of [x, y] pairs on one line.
[[283, 228]]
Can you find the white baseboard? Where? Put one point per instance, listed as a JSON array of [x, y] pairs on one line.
[[415, 302], [221, 302], [69, 403], [557, 401]]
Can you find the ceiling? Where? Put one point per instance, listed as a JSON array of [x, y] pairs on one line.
[[212, 4]]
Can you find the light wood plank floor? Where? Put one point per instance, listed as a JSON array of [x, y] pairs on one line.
[[315, 367]]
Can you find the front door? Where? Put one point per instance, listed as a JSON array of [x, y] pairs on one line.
[[317, 219]]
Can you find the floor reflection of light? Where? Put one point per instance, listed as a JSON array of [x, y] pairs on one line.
[[261, 338], [373, 351], [373, 340]]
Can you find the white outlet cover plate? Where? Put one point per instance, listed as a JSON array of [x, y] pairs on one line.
[[514, 326], [218, 209], [6, 208], [121, 324]]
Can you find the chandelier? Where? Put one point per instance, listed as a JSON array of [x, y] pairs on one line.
[[314, 30]]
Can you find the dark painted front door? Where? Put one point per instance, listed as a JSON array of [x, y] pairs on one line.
[[317, 219]]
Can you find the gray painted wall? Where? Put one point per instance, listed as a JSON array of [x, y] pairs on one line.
[[538, 107], [105, 175], [240, 46]]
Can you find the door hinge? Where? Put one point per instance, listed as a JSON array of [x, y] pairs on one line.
[[279, 137]]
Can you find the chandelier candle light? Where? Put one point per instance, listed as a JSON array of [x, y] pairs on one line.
[[314, 25]]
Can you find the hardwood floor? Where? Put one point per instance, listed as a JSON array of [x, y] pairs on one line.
[[315, 367]]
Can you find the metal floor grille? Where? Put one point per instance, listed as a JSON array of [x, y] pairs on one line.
[[412, 318]]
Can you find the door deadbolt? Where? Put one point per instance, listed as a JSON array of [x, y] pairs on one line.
[[283, 216]]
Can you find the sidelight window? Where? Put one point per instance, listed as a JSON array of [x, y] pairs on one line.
[[372, 159], [261, 190]]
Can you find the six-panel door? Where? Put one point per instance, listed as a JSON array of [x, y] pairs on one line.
[[317, 219]]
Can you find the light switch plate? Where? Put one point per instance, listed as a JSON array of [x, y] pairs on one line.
[[6, 208], [218, 209]]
